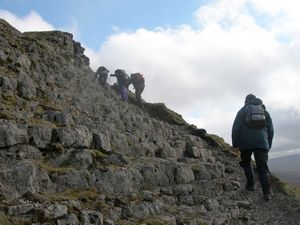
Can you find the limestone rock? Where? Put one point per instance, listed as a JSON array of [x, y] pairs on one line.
[[25, 152], [20, 209], [79, 137], [8, 85], [117, 159], [60, 118], [24, 177], [166, 152], [56, 210], [71, 219], [12, 134], [91, 217], [71, 179], [40, 135], [101, 142], [25, 88], [117, 181], [184, 174], [80, 159]]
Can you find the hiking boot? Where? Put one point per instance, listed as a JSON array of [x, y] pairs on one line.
[[249, 187], [268, 197], [267, 193]]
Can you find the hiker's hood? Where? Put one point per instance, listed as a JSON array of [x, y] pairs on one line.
[[253, 100]]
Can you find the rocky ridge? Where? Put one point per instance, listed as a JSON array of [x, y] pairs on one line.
[[71, 152]]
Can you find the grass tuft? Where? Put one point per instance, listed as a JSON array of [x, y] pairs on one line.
[[287, 188]]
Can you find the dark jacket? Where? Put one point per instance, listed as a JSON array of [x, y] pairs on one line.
[[246, 138], [102, 72], [122, 78], [137, 81], [138, 85]]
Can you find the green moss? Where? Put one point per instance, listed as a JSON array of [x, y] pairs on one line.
[[9, 220], [39, 112], [212, 139], [10, 100], [161, 112], [154, 221], [57, 148], [51, 169], [4, 220], [5, 115], [7, 71], [40, 38], [130, 142], [83, 195], [87, 197], [48, 105], [50, 84], [287, 188], [37, 121], [218, 141], [195, 167], [32, 98], [97, 154]]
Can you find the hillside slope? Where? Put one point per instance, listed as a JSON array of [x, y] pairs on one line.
[[71, 152], [287, 168]]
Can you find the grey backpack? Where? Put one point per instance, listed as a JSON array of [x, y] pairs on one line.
[[255, 116]]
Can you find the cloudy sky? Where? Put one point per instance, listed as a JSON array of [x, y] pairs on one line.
[[200, 57]]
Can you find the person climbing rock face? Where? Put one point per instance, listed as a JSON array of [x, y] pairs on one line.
[[102, 75], [138, 82], [252, 132], [123, 83]]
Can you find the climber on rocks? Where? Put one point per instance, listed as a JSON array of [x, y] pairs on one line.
[[123, 83], [138, 82], [252, 132], [102, 75]]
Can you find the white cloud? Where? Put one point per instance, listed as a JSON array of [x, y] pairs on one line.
[[285, 15], [73, 28], [205, 72], [32, 22]]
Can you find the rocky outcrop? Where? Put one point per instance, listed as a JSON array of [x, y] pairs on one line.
[[71, 152]]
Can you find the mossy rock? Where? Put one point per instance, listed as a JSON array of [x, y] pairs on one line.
[[10, 100], [212, 139], [6, 116], [38, 121], [287, 188], [218, 142], [87, 197], [161, 112], [51, 169], [39, 112], [97, 154], [155, 221], [48, 105], [9, 220], [71, 194]]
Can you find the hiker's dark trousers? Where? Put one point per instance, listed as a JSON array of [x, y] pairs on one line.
[[261, 160]]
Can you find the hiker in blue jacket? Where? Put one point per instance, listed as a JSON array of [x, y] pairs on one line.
[[255, 139]]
